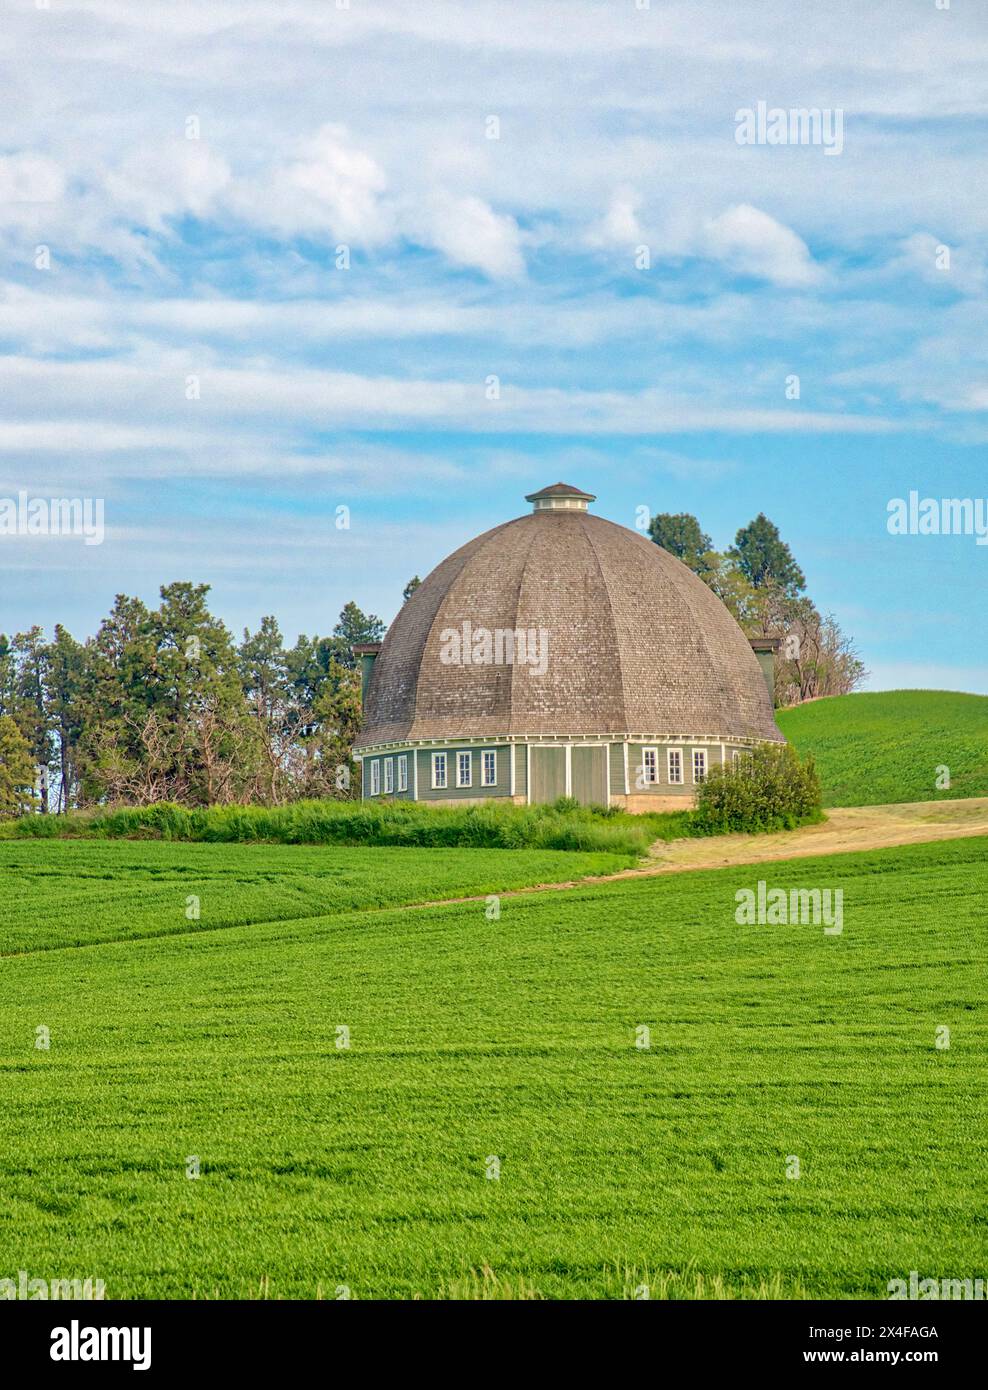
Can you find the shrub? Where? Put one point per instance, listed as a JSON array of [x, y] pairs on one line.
[[767, 789]]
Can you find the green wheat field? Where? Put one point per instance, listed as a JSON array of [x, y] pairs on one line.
[[493, 1129], [888, 746]]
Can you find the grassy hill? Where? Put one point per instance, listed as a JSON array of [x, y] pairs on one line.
[[474, 1038], [889, 746]]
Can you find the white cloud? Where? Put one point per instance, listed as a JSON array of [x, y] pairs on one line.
[[332, 187], [950, 267], [93, 436], [471, 233], [170, 179], [336, 189], [753, 243], [252, 395], [619, 227], [29, 178]]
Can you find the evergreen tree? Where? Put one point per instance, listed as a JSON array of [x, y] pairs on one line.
[[67, 663], [17, 770], [681, 535], [353, 627], [764, 558], [30, 706]]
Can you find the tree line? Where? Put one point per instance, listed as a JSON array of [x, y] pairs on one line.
[[759, 581], [162, 704]]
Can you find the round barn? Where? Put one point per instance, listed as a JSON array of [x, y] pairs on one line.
[[556, 655]]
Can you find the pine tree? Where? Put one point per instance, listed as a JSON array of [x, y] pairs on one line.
[[17, 770], [764, 558]]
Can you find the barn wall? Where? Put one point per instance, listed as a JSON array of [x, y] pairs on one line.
[[617, 769], [451, 792]]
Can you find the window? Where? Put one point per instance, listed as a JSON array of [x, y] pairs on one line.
[[675, 766], [699, 764], [464, 769], [403, 773], [736, 757], [650, 765], [375, 777], [439, 769], [489, 776], [389, 776]]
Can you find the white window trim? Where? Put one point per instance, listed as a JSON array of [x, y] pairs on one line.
[[444, 784], [464, 753], [650, 781], [375, 786], [403, 772], [486, 753], [389, 776], [735, 757], [699, 753], [675, 781]]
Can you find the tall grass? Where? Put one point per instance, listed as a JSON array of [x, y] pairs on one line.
[[725, 804], [563, 825]]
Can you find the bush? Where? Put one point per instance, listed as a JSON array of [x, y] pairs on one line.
[[767, 789]]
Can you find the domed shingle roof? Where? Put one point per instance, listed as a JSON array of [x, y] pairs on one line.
[[637, 643]]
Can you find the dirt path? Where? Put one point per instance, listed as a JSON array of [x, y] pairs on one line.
[[846, 829]]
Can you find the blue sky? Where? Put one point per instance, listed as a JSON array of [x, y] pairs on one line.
[[313, 127]]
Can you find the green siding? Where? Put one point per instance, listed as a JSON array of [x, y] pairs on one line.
[[502, 787], [617, 769], [366, 668], [766, 661], [663, 786], [451, 792], [396, 795]]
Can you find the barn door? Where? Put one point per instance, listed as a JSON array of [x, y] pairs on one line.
[[588, 775], [548, 774]]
